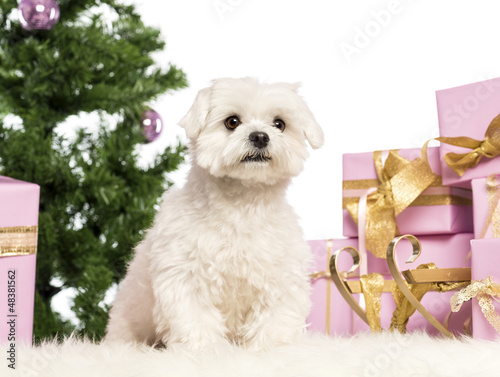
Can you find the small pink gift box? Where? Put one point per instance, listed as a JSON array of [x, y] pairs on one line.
[[485, 263], [446, 251], [467, 110], [330, 313], [438, 210], [18, 241], [486, 211]]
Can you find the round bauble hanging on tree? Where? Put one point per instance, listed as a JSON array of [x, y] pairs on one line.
[[38, 14], [152, 125]]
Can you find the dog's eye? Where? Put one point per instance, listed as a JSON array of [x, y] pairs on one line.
[[279, 124], [232, 122]]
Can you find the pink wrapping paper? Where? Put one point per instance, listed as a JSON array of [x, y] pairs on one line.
[[18, 208], [340, 320], [418, 220], [485, 262], [446, 251], [438, 304], [482, 200], [467, 111]]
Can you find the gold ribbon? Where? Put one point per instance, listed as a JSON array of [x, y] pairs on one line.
[[489, 147], [328, 276], [372, 286], [16, 241], [404, 308], [484, 290], [400, 183]]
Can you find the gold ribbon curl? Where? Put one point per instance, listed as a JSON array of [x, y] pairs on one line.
[[484, 290], [489, 147], [400, 182]]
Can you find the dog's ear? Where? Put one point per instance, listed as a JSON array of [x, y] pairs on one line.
[[311, 128], [314, 133], [194, 121]]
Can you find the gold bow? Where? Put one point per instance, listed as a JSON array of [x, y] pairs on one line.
[[484, 290], [400, 183], [489, 147]]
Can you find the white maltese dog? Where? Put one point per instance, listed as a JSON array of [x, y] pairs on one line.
[[225, 259]]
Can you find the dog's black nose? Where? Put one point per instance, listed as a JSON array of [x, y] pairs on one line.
[[259, 139]]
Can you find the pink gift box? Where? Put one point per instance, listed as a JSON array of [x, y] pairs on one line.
[[483, 198], [324, 292], [485, 263], [467, 110], [438, 304], [456, 217], [446, 251], [18, 237]]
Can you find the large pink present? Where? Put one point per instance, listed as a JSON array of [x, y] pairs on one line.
[[330, 313], [469, 145], [446, 251], [18, 241], [485, 264], [486, 194], [433, 207]]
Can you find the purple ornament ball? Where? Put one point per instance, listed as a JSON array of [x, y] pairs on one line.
[[152, 125], [38, 14]]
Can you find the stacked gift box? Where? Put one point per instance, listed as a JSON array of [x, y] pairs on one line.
[[18, 243], [447, 197], [470, 143]]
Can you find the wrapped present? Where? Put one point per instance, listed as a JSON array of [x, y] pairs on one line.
[[469, 129], [18, 242], [445, 251], [486, 211], [330, 313], [484, 290], [400, 192]]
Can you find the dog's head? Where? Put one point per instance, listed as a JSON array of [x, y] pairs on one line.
[[250, 131]]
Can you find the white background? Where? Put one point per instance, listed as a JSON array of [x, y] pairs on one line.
[[369, 71]]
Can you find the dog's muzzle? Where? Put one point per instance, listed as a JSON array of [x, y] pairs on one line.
[[260, 141]]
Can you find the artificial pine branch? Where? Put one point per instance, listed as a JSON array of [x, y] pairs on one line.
[[95, 198]]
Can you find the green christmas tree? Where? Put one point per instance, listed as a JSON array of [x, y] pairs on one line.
[[95, 197]]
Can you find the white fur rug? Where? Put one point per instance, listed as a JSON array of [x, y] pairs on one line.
[[366, 355]]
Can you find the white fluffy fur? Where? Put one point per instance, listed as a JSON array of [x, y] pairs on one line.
[[367, 355], [225, 259]]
